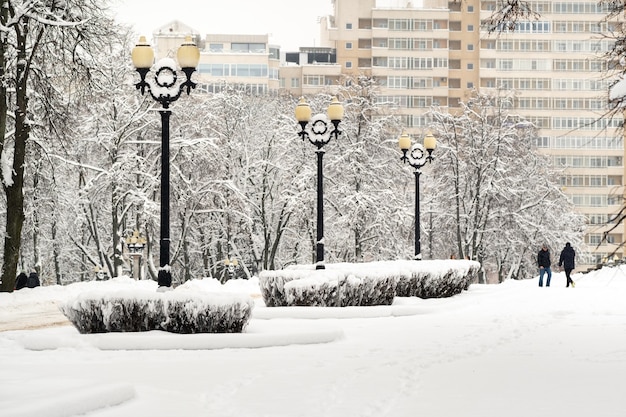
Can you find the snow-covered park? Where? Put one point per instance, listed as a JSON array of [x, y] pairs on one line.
[[512, 349]]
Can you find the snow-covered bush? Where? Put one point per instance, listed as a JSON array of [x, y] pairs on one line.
[[437, 279], [173, 311], [362, 284], [325, 288], [188, 312]]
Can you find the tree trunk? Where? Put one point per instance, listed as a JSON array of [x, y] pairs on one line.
[[15, 185]]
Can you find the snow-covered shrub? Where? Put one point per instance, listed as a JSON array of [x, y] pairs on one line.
[[369, 283], [312, 291], [173, 311], [116, 312], [272, 284], [189, 312], [325, 288], [437, 279]]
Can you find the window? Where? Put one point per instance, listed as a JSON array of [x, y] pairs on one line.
[[470, 8], [596, 219], [506, 65], [507, 45], [470, 28], [470, 47], [398, 43], [348, 45], [216, 47], [420, 25], [247, 47], [348, 26], [399, 62], [420, 45], [488, 63], [379, 61], [397, 82], [595, 182], [470, 85], [348, 64], [597, 201], [249, 70], [398, 24], [421, 63], [595, 239], [470, 66], [313, 80]]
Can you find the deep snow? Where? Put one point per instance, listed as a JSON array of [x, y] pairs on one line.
[[512, 349]]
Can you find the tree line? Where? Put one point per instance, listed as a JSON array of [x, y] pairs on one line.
[[80, 169]]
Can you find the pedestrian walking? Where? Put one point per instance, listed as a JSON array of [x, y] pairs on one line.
[[568, 255], [543, 261]]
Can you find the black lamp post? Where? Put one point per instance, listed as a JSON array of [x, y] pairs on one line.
[[165, 89], [319, 129], [417, 158]]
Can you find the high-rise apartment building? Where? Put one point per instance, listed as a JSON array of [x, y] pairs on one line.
[[435, 52]]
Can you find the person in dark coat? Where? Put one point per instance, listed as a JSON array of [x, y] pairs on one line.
[[33, 280], [20, 281], [567, 261], [543, 261]]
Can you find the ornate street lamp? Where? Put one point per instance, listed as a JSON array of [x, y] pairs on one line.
[[165, 89], [319, 129], [136, 243], [417, 158]]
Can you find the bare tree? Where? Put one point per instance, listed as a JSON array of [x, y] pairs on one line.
[[35, 35], [503, 196]]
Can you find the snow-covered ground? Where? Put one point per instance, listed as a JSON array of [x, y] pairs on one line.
[[512, 349]]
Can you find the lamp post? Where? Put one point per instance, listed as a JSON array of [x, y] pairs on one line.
[[165, 89], [417, 158], [319, 129], [231, 264], [136, 243]]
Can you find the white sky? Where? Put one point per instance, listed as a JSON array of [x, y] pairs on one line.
[[291, 24], [512, 350]]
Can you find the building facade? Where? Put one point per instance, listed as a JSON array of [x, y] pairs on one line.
[[435, 52], [244, 61]]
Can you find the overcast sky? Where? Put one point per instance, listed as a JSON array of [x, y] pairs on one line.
[[290, 24]]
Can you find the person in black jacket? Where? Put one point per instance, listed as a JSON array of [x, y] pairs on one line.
[[33, 280], [20, 281], [543, 261], [567, 261]]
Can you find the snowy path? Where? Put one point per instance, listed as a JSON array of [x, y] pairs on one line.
[[36, 316], [503, 350]]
